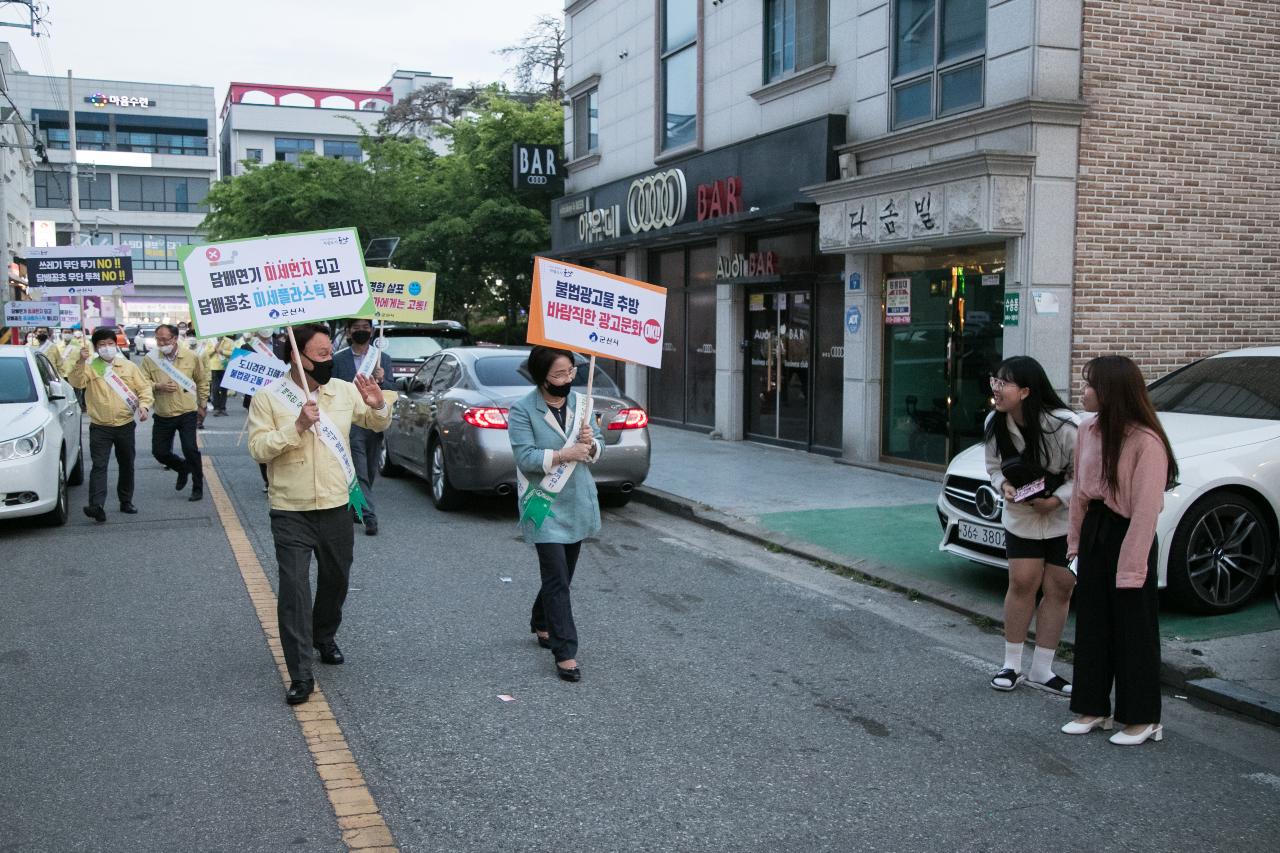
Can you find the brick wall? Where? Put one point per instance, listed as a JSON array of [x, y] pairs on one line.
[[1178, 214]]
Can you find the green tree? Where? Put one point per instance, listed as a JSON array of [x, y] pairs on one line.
[[456, 214]]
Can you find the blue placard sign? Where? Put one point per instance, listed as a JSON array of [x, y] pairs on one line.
[[855, 281]]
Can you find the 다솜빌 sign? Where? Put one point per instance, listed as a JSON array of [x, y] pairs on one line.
[[32, 313], [238, 285], [592, 312], [79, 270], [402, 296]]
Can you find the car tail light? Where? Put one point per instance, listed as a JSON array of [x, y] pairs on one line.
[[486, 417], [630, 419]]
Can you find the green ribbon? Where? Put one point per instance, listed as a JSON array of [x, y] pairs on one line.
[[356, 499], [537, 506]]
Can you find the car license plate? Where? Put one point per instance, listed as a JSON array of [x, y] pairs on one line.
[[992, 537]]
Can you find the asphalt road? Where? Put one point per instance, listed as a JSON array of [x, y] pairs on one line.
[[733, 699]]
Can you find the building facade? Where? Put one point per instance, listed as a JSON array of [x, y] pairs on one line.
[[265, 123], [860, 208], [145, 157], [17, 165]]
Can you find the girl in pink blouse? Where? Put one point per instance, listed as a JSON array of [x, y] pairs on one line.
[[1124, 464]]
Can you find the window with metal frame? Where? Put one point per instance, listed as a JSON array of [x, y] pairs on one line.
[[795, 36], [343, 149], [288, 149], [679, 63], [586, 123], [939, 57]]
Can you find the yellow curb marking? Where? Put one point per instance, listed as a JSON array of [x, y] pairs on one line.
[[359, 819]]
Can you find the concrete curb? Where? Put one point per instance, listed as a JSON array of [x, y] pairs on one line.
[[1186, 676]]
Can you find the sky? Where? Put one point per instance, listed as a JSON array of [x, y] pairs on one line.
[[354, 44]]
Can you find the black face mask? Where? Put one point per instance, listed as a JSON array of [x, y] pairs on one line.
[[41, 338], [559, 390], [321, 372], [361, 338]]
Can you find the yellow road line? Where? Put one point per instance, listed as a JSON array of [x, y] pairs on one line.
[[362, 825]]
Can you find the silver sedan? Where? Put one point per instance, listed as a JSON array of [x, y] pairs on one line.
[[449, 426]]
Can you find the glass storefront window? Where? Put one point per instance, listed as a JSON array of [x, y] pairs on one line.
[[937, 362]]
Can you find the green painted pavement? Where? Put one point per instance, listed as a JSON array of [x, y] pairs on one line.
[[906, 538]]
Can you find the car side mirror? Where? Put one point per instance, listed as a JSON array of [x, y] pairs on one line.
[[56, 391]]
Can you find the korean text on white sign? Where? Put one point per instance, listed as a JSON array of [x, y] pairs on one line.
[[32, 313], [249, 372], [237, 285], [592, 312]]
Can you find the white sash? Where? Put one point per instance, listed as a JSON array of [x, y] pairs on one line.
[[44, 348], [118, 385], [288, 392], [185, 382], [535, 503], [370, 360]]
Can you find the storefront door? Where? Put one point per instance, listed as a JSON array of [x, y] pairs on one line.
[[944, 337], [779, 335]]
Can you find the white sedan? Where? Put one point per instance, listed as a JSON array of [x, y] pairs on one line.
[[40, 453], [1218, 532]]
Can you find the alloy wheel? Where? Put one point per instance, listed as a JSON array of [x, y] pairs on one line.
[[1225, 554], [437, 472]]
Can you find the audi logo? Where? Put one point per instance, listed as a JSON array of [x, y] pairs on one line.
[[657, 201], [536, 179]]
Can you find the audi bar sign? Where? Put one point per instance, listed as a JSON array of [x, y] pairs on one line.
[[535, 167], [657, 201]]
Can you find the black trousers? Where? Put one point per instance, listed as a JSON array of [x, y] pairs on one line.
[[217, 394], [162, 432], [102, 439], [1117, 630], [326, 533], [552, 610]]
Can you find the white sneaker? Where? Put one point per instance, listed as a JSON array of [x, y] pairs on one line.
[[1155, 732], [1077, 728]]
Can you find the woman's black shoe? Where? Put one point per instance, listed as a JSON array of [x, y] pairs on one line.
[[299, 691], [545, 642], [574, 674]]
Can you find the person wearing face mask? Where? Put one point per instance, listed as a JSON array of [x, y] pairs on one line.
[[115, 392], [303, 436], [552, 436], [181, 385], [363, 357], [44, 344], [67, 352], [217, 352]]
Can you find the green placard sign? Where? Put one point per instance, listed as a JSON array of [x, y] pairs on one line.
[[1011, 309]]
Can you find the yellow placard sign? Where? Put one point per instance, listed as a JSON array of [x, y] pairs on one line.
[[402, 296]]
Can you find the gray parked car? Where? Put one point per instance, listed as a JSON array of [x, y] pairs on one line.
[[449, 426]]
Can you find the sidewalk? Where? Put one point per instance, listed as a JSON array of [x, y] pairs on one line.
[[884, 527]]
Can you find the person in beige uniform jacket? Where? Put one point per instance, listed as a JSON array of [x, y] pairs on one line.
[[309, 496]]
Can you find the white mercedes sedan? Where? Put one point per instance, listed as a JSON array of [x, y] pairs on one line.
[[40, 453], [1217, 536]]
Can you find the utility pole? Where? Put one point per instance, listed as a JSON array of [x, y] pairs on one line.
[[75, 172]]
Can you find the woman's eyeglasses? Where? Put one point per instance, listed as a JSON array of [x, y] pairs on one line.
[[998, 384], [561, 378]]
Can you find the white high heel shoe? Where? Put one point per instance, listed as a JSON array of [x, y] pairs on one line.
[[1155, 732], [1074, 728]]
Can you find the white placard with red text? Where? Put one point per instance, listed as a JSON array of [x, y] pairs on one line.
[[593, 312]]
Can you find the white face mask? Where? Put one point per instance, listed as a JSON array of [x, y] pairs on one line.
[[168, 349], [66, 338], [108, 353]]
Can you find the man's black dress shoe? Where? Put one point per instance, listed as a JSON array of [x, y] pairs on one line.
[[574, 674], [197, 493], [330, 653], [183, 476], [96, 513], [370, 525], [299, 691], [128, 509]]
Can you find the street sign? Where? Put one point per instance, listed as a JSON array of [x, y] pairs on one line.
[[536, 167], [237, 285], [588, 311]]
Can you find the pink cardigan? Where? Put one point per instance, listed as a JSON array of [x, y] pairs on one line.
[[1142, 472]]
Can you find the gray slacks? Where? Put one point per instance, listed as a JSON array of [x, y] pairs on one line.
[[327, 533], [366, 453]]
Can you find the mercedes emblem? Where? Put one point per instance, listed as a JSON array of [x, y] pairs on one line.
[[987, 502]]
